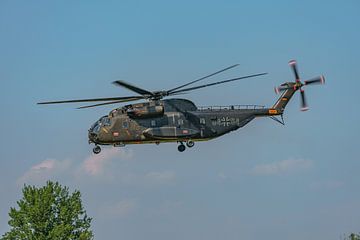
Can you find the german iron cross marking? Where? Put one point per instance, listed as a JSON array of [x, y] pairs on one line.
[[225, 121]]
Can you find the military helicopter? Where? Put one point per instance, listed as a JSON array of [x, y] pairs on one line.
[[180, 120]]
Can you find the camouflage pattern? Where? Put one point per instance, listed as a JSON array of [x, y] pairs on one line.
[[177, 120]]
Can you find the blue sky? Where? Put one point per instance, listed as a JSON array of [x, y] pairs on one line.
[[295, 181]]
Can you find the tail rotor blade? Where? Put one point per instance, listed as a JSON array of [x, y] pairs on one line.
[[316, 80], [304, 106], [280, 89], [293, 66]]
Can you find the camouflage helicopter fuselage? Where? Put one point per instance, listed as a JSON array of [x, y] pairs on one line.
[[176, 120]]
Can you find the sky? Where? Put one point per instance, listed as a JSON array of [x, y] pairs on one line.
[[298, 181]]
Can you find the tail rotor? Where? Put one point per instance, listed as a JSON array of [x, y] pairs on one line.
[[298, 85]]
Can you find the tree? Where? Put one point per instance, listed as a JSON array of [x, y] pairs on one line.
[[354, 236], [49, 212]]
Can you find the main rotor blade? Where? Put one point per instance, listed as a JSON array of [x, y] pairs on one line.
[[292, 64], [94, 100], [133, 88], [108, 103], [316, 80], [216, 83], [197, 80]]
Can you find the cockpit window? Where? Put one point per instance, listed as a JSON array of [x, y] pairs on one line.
[[96, 128], [105, 121], [94, 125]]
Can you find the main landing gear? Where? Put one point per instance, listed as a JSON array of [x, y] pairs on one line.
[[189, 144], [97, 149]]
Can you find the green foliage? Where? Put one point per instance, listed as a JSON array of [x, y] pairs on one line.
[[49, 212], [354, 236]]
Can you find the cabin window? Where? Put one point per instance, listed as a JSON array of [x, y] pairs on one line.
[[153, 123], [125, 124], [180, 121], [202, 121]]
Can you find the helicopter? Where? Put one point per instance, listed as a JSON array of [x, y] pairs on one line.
[[179, 120]]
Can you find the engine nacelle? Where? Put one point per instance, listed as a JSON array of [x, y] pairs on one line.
[[145, 111]]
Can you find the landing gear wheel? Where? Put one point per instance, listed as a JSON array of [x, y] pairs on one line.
[[190, 143], [97, 149], [181, 148]]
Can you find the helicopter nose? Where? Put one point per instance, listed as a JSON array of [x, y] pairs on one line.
[[92, 136]]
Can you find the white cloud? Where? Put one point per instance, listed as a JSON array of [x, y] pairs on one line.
[[95, 164], [107, 166], [280, 167], [43, 171]]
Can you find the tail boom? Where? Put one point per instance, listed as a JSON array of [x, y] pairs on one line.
[[285, 97]]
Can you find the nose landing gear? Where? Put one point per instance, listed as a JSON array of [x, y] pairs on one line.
[[181, 147], [97, 149]]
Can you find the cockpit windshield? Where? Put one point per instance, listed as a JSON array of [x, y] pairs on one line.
[[96, 128], [104, 121]]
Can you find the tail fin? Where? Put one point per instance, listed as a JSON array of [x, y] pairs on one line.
[[285, 96]]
